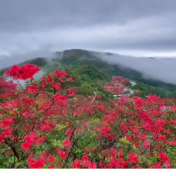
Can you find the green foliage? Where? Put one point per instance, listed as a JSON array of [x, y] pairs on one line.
[[147, 89], [158, 84], [90, 80], [87, 80], [172, 154]]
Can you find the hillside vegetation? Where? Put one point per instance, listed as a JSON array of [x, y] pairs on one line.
[[46, 125], [88, 66]]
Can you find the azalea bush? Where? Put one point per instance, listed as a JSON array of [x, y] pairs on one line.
[[54, 129], [7, 89]]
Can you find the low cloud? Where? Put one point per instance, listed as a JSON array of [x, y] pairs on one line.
[[158, 68], [7, 61]]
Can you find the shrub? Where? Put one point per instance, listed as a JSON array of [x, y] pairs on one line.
[[51, 129]]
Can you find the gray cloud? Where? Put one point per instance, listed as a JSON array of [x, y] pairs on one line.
[[136, 26], [157, 68], [7, 61]]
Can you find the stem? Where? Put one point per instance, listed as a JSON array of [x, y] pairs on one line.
[[13, 149]]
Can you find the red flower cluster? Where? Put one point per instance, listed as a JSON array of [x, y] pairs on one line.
[[74, 133], [30, 139], [7, 88], [25, 72]]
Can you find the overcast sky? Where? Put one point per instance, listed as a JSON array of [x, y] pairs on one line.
[[136, 27]]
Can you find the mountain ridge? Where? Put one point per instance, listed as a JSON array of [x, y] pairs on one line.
[[74, 57]]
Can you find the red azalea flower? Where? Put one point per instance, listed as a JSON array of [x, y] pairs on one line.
[[61, 154], [67, 142], [146, 144], [69, 132], [6, 123], [69, 79], [26, 146], [87, 150], [133, 158]]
